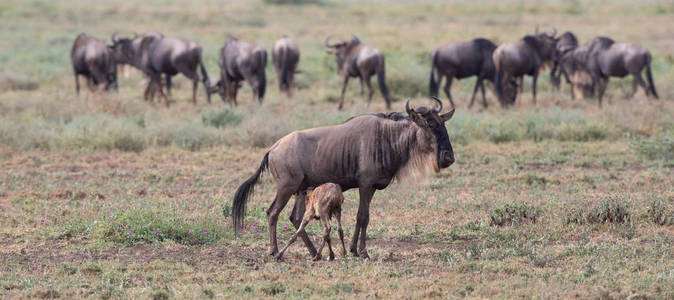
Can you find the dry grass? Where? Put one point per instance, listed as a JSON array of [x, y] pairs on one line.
[[78, 163]]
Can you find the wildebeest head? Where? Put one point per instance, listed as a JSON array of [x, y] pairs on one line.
[[341, 50], [433, 128], [122, 49], [546, 42]]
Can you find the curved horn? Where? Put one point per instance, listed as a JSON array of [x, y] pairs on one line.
[[407, 106], [327, 42], [439, 107]]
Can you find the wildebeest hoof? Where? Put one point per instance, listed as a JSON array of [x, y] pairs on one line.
[[363, 254], [317, 257], [279, 257]]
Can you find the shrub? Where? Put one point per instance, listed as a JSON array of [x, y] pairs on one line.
[[658, 147], [611, 209], [220, 119], [516, 213], [659, 212]]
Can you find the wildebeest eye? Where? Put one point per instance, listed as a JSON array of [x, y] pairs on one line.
[[432, 123]]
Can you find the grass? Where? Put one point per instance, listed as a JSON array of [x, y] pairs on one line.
[[561, 199]]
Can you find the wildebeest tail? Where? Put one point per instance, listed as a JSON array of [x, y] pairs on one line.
[[649, 77], [284, 68], [381, 79], [205, 80], [433, 84], [244, 192], [498, 82], [261, 57]]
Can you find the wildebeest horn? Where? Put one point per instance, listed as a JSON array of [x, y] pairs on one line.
[[327, 42], [407, 106], [439, 107]]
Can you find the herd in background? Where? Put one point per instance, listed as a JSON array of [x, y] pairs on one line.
[[586, 68]]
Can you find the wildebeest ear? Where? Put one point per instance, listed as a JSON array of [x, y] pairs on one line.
[[447, 116], [416, 118]]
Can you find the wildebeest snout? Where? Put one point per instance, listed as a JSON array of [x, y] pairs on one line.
[[446, 158]]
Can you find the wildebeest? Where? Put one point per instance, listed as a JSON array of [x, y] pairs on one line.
[[285, 55], [524, 57], [323, 203], [357, 60], [240, 61], [461, 60], [606, 58], [572, 64], [365, 152], [565, 43], [92, 58], [155, 55]]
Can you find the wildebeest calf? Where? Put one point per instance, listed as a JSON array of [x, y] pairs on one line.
[[322, 203]]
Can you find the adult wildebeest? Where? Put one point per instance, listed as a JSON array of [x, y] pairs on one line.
[[461, 60], [365, 152], [565, 43], [606, 58], [357, 60], [155, 55], [285, 55], [524, 57], [240, 61], [92, 58]]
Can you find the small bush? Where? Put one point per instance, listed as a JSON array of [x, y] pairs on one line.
[[612, 209], [659, 212], [273, 289], [659, 147], [220, 119], [515, 214]]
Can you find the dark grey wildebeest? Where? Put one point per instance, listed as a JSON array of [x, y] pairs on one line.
[[565, 43], [357, 60], [93, 59], [285, 55], [461, 60], [365, 152], [524, 57], [606, 58], [155, 55], [240, 61]]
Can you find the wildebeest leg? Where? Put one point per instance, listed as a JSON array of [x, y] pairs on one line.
[[296, 218], [484, 98], [341, 99], [640, 81], [300, 230], [362, 220], [157, 82], [326, 236], [338, 216], [448, 86], [478, 82], [168, 84], [603, 82], [370, 90], [362, 88], [533, 88], [282, 195], [77, 84]]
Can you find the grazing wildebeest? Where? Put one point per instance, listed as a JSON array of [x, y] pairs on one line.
[[322, 203], [524, 57], [606, 58], [565, 43], [240, 61], [357, 60], [461, 60], [365, 152], [155, 55], [92, 58], [285, 55]]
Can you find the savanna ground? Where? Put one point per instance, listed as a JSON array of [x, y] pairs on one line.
[[105, 195]]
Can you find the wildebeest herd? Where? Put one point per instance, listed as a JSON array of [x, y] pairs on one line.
[[586, 67], [367, 151]]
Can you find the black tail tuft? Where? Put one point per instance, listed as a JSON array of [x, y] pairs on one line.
[[381, 79], [433, 84], [261, 76], [285, 85], [244, 192], [649, 77]]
